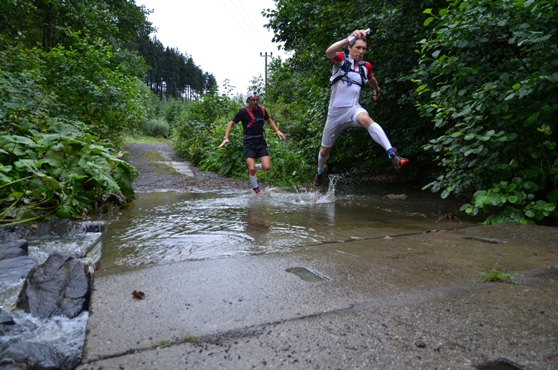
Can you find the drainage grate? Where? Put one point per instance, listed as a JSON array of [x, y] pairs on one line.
[[498, 364]]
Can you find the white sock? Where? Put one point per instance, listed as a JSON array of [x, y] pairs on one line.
[[378, 135], [258, 166], [253, 181], [321, 163]]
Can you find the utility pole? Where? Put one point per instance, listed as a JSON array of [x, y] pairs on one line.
[[265, 55]]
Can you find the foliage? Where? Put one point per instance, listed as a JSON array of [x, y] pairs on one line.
[[156, 127], [93, 87], [201, 129], [46, 23], [308, 28], [300, 119], [496, 274], [193, 135], [49, 164], [488, 77], [69, 89]]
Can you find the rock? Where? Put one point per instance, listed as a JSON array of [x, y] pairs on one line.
[[58, 287], [92, 227], [14, 233], [74, 228], [29, 355], [6, 322], [6, 318], [396, 196], [17, 248], [14, 269]]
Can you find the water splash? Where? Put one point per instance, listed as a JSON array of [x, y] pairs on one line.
[[304, 195], [61, 333]]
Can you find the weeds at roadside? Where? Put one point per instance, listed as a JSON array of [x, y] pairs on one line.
[[163, 343], [152, 155], [496, 274], [188, 339], [167, 343], [145, 140]]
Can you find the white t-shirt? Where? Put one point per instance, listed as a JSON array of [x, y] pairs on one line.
[[343, 93]]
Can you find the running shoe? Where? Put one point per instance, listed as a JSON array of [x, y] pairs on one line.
[[397, 160], [257, 190], [318, 179]]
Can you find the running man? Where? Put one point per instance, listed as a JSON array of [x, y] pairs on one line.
[[350, 74], [253, 117]]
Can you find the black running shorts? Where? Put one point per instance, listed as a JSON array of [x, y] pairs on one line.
[[255, 147]]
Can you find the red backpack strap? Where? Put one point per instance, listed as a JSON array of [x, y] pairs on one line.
[[247, 108], [263, 111]]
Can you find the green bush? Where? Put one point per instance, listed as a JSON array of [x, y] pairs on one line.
[[201, 128], [93, 87], [156, 127], [488, 79], [49, 163]]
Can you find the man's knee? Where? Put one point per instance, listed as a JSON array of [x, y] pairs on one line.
[[364, 120]]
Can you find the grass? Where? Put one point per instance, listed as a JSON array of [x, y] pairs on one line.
[[152, 155], [496, 274], [163, 343], [146, 140], [188, 339], [167, 343], [162, 168]]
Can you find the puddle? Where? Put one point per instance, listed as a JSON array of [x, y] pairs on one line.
[[306, 274], [171, 227]]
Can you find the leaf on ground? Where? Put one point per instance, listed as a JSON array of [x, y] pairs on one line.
[[138, 294]]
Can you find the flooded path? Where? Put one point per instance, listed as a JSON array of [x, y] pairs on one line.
[[169, 227], [381, 276]]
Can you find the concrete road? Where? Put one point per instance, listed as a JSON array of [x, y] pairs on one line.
[[404, 302]]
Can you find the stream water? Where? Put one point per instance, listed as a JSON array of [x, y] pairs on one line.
[[170, 227]]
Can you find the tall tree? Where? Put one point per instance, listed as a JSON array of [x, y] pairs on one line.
[[70, 90], [47, 21], [172, 74]]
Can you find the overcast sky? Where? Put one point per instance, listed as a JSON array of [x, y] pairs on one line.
[[224, 37]]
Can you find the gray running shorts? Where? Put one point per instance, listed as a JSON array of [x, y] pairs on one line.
[[338, 119]]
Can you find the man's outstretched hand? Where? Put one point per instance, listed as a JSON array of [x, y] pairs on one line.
[[225, 141]]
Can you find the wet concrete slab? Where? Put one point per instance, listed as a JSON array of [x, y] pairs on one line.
[[182, 168], [410, 301]]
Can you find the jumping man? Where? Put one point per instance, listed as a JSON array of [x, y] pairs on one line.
[[350, 73]]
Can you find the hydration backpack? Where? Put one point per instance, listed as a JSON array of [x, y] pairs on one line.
[[343, 71], [249, 111]]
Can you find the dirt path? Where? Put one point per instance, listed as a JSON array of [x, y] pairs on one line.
[[155, 176]]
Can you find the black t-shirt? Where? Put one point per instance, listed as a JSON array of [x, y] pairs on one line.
[[256, 128]]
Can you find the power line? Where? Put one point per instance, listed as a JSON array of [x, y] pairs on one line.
[[240, 24], [253, 26]]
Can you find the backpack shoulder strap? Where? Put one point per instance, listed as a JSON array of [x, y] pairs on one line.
[[249, 111], [363, 71], [341, 71]]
